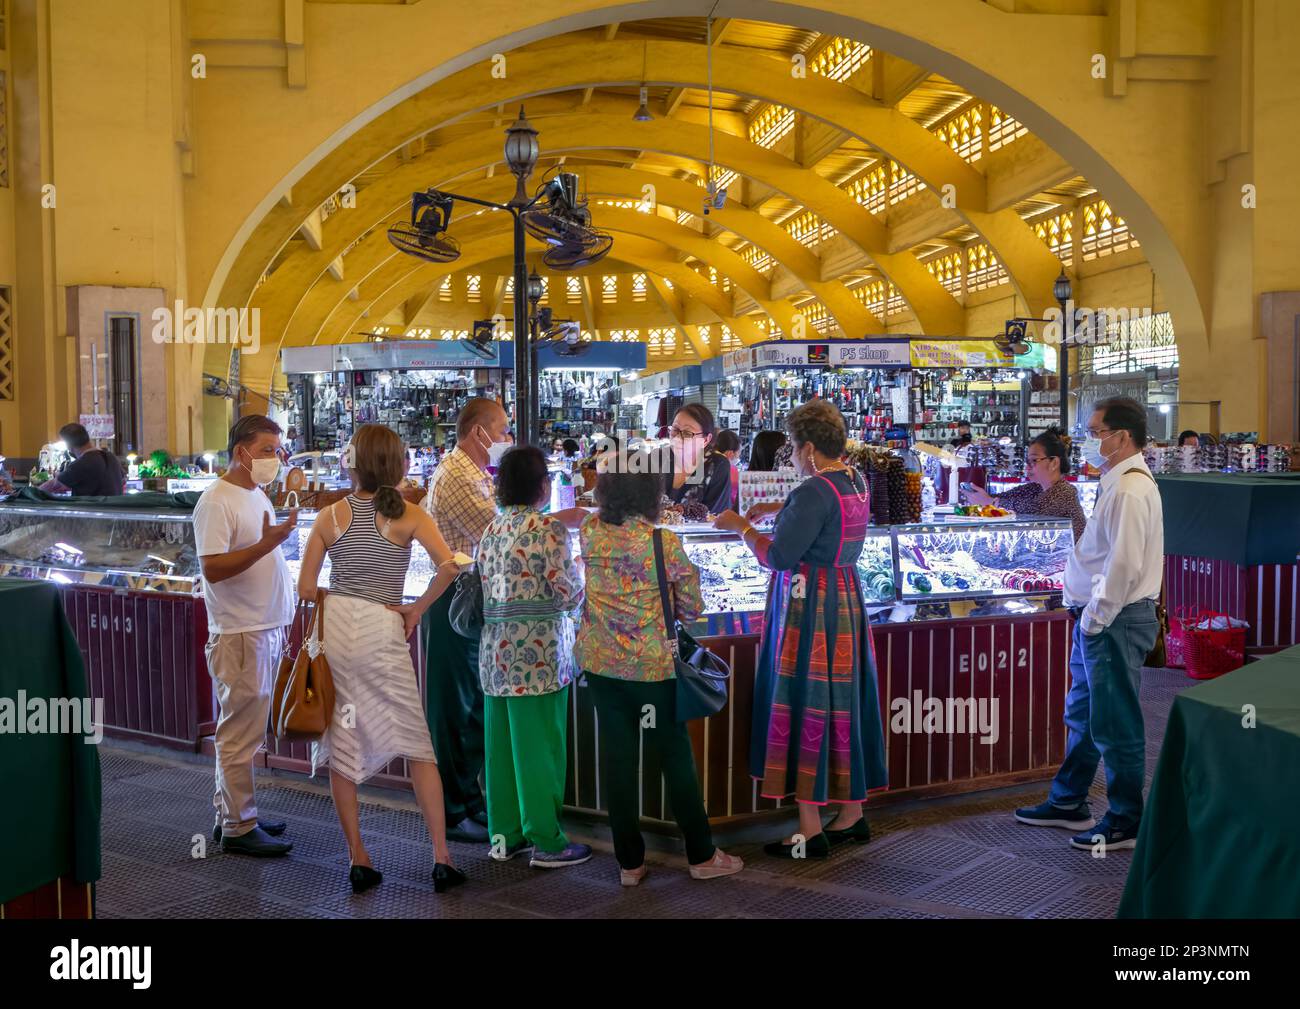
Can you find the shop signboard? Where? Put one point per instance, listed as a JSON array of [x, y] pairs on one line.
[[959, 354], [628, 356], [711, 370], [738, 362], [832, 354], [98, 425]]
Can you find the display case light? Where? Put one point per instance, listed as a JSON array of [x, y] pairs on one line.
[[67, 548]]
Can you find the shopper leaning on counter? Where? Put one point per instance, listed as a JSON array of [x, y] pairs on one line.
[[817, 733], [623, 646], [531, 586], [1112, 583], [697, 471], [248, 593], [462, 501], [94, 472], [1047, 462], [378, 716]]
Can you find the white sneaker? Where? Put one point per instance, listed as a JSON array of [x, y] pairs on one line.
[[721, 864]]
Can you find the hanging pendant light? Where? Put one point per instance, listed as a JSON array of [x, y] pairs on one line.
[[642, 113]]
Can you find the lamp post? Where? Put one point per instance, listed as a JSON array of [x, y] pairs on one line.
[[535, 292], [521, 152], [1062, 292]]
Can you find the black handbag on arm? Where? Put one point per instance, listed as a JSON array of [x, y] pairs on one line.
[[702, 677], [466, 612]]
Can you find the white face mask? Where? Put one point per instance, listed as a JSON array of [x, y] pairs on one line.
[[495, 449], [1092, 452], [264, 471]]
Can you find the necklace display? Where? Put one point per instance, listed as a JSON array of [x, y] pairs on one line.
[[861, 495]]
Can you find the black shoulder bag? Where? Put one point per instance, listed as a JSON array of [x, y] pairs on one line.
[[701, 676]]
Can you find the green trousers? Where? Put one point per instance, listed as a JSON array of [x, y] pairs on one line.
[[526, 761]]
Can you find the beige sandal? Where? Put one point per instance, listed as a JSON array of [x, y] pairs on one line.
[[721, 864], [633, 877]]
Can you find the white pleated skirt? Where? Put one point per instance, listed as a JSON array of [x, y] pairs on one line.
[[378, 712]]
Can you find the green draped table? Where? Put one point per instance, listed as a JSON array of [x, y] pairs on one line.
[[1220, 837], [49, 782]]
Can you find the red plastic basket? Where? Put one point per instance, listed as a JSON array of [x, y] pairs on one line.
[[1208, 653]]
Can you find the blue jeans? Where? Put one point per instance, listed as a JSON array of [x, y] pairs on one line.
[[1103, 715]]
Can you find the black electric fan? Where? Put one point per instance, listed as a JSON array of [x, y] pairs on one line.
[[425, 236], [561, 220]]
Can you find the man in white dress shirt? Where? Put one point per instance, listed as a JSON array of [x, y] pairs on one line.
[[1112, 584]]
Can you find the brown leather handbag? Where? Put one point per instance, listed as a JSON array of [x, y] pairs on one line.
[[302, 704]]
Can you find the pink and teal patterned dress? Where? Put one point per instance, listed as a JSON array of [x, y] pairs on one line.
[[817, 733], [622, 633]]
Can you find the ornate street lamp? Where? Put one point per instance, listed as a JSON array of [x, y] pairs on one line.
[[1062, 291], [521, 154], [521, 157]]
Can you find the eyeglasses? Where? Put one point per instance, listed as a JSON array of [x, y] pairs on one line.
[[677, 432], [1100, 434], [1034, 460]]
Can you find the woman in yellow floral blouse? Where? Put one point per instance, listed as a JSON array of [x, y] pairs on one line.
[[623, 645], [531, 587]]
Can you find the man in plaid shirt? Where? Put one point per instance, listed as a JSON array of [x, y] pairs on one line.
[[462, 501]]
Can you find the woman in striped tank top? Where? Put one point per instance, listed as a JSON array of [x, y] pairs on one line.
[[378, 714]]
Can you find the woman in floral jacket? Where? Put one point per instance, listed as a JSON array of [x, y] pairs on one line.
[[531, 586]]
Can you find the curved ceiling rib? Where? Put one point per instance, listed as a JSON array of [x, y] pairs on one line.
[[566, 67], [286, 293]]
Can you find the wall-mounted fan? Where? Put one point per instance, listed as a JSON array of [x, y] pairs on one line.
[[560, 218], [425, 237], [482, 340], [564, 335]]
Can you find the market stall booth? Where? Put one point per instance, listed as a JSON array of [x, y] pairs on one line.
[[1231, 546], [972, 653], [416, 387]]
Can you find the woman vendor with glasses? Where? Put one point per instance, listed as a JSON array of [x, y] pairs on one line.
[[697, 473]]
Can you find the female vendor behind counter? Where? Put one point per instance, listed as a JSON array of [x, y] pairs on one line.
[[697, 471], [1047, 461]]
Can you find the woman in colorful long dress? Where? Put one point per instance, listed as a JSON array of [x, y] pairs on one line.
[[817, 734]]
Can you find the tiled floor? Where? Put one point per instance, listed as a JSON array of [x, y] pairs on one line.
[[961, 857]]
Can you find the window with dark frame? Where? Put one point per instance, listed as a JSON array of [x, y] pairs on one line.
[[122, 362]]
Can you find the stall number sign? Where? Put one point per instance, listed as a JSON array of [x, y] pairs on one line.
[[980, 662], [98, 425], [1198, 566], [100, 622]]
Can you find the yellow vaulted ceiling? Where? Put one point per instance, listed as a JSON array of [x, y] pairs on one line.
[[752, 267]]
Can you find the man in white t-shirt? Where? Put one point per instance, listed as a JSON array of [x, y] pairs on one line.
[[250, 601]]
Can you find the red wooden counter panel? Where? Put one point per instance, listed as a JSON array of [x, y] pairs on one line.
[[1266, 596], [144, 656], [1022, 662]]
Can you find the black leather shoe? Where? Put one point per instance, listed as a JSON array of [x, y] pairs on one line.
[[468, 830], [859, 833], [256, 842], [480, 817], [363, 877], [445, 877], [815, 847], [273, 827]]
